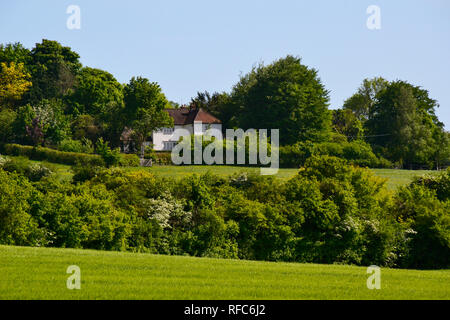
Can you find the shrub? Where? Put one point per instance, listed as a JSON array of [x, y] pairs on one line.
[[439, 183], [356, 152], [18, 165], [110, 156], [23, 166], [78, 146], [429, 220], [51, 155], [163, 158], [129, 160], [36, 172], [17, 226]]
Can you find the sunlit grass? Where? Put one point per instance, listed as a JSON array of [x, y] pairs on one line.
[[40, 273]]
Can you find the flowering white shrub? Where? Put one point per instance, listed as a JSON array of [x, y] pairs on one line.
[[168, 212]]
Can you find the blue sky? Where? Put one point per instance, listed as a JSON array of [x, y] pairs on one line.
[[190, 46]]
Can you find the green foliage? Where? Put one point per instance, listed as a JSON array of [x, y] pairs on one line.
[[17, 226], [362, 102], [330, 212], [346, 123], [399, 123], [438, 183], [144, 108], [85, 127], [429, 221], [397, 116], [7, 120], [285, 95], [21, 165], [356, 152], [163, 158], [51, 155], [54, 69], [15, 52], [69, 145], [129, 160], [96, 93], [110, 156]]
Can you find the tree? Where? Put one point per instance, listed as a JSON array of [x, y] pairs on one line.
[[442, 148], [218, 104], [363, 100], [346, 123], [54, 69], [398, 124], [96, 93], [15, 52], [14, 82], [144, 108], [284, 95]]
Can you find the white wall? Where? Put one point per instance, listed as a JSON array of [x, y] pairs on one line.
[[159, 137]]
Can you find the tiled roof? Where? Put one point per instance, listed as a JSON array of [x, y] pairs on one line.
[[184, 115]]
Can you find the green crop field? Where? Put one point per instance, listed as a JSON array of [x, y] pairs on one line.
[[40, 273]]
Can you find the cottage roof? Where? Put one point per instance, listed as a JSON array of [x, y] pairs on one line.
[[185, 115]]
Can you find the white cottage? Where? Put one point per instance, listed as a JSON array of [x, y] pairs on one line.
[[193, 120]]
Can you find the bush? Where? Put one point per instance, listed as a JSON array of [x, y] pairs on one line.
[[429, 221], [23, 166], [36, 172], [51, 155], [129, 160], [17, 226], [78, 146], [110, 156], [439, 183], [163, 158], [356, 152]]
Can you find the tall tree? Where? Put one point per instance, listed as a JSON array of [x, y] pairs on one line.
[[99, 94], [96, 92], [144, 108], [364, 99], [54, 69], [284, 95], [397, 124]]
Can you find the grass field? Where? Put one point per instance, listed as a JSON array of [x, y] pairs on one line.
[[40, 273], [395, 177]]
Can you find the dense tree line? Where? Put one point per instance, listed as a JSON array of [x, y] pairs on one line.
[[48, 98], [396, 119], [330, 212]]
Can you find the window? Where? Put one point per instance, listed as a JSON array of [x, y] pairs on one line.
[[167, 130], [169, 145]]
